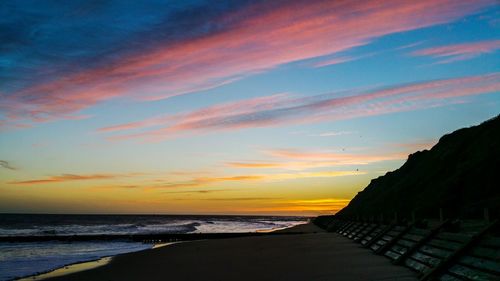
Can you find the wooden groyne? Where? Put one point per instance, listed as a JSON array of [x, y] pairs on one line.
[[444, 251], [147, 238]]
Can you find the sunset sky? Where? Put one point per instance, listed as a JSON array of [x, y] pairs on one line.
[[231, 107]]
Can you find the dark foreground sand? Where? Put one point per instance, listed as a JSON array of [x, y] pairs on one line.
[[315, 255]]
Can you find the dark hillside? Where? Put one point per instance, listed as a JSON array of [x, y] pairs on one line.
[[460, 174]]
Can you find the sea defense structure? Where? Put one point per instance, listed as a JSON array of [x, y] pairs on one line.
[[447, 250]]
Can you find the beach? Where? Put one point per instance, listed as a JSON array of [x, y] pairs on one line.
[[312, 255], [36, 244]]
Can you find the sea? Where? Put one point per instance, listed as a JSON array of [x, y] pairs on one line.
[[24, 259]]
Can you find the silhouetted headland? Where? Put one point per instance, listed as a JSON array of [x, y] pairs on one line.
[[459, 175]]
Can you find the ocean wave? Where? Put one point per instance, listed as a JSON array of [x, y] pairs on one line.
[[25, 259], [129, 225], [22, 259]]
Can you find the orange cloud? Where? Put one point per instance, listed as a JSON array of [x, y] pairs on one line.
[[328, 204], [160, 181], [253, 40], [253, 165], [203, 191], [242, 199], [458, 52], [304, 165], [338, 158], [65, 178], [203, 181], [294, 159]]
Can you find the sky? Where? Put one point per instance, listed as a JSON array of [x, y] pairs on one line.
[[231, 107]]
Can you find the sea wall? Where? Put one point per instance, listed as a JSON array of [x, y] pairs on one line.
[[435, 249]]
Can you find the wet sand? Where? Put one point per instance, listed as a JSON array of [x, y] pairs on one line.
[[314, 255]]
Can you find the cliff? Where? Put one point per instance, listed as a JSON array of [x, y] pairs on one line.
[[460, 175]]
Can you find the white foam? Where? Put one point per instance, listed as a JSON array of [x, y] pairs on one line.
[[25, 259]]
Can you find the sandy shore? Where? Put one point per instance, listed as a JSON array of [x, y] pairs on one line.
[[315, 255]]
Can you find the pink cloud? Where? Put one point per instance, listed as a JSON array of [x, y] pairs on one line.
[[284, 110], [336, 60], [298, 159], [342, 59], [257, 39], [458, 52], [226, 109]]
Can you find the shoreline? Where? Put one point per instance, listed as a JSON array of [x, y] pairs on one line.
[[91, 264], [314, 254], [162, 237], [68, 269], [83, 265]]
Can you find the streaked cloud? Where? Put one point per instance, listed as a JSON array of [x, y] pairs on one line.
[[459, 52], [253, 165], [340, 158], [331, 134], [242, 199], [163, 180], [328, 204], [153, 57], [342, 59], [308, 161], [335, 60], [289, 165], [203, 191], [301, 159], [65, 178], [205, 181], [309, 206], [409, 46], [322, 174], [6, 165], [227, 109], [202, 181], [284, 110]]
